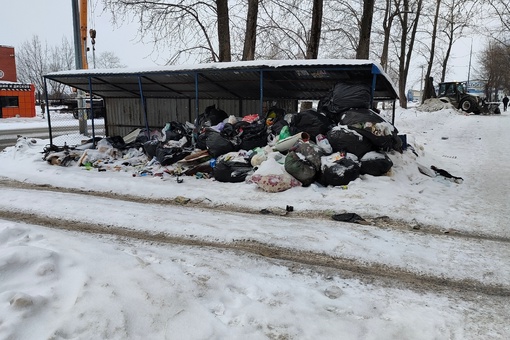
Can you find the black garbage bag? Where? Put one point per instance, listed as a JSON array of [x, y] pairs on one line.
[[117, 142], [144, 136], [348, 217], [311, 122], [252, 135], [356, 116], [214, 115], [218, 145], [167, 156], [150, 147], [343, 139], [343, 96], [228, 131], [177, 131], [231, 171], [375, 163], [340, 172], [373, 127], [277, 127], [303, 162], [201, 141], [210, 117], [274, 115]]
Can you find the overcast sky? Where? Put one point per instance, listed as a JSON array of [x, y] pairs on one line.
[[52, 19]]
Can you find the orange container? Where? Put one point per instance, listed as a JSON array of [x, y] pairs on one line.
[[17, 100]]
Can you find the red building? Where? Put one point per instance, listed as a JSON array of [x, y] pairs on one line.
[[7, 64], [16, 99]]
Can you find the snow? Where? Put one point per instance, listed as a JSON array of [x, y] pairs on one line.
[[228, 65], [112, 256], [22, 123], [372, 155]]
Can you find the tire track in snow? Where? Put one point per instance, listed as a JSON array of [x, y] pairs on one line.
[[317, 262], [383, 222]]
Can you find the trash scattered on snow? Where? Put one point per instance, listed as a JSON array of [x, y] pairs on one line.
[[276, 152]]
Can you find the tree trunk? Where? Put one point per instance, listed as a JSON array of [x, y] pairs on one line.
[[250, 37], [401, 65], [429, 86], [312, 50], [223, 30], [445, 61], [387, 23], [406, 51], [363, 50]]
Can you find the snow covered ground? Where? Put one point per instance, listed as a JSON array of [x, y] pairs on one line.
[[105, 255]]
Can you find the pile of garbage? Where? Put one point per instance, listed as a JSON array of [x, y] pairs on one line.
[[332, 145]]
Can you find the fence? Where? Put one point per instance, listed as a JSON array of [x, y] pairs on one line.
[[73, 126]]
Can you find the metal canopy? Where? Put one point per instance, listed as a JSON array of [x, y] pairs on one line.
[[271, 79]]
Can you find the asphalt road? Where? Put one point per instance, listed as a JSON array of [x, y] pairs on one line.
[[9, 137]]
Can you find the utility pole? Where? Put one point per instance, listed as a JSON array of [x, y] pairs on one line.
[[421, 84], [469, 67]]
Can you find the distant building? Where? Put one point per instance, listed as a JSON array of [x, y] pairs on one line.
[[414, 96], [16, 99], [7, 64], [477, 86]]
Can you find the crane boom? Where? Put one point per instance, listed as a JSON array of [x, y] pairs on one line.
[[83, 33]]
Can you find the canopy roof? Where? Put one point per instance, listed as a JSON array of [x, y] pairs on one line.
[[259, 79]]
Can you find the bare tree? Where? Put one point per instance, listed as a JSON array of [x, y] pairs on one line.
[[246, 30], [387, 23], [30, 62], [342, 24], [250, 40], [284, 29], [363, 50], [494, 58], [208, 30], [60, 58], [225, 53], [34, 59], [312, 49], [500, 10], [408, 28], [455, 18], [186, 27], [428, 91], [108, 59]]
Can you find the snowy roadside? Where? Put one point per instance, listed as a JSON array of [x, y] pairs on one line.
[[440, 257], [462, 145], [70, 284], [65, 285]]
